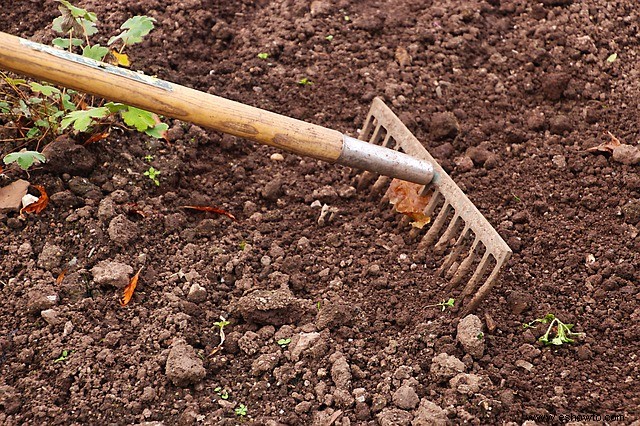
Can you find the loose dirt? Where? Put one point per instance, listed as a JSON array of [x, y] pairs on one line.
[[330, 323]]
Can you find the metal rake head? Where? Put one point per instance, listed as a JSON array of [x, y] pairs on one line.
[[473, 243]]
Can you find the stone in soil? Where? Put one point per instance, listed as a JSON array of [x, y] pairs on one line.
[[183, 366], [626, 154], [341, 372], [405, 397], [122, 231], [394, 417], [445, 366], [65, 156], [444, 125], [275, 307], [334, 314], [11, 195], [110, 273], [265, 363], [470, 336], [466, 384], [429, 414], [50, 257]]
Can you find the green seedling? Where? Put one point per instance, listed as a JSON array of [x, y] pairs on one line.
[[24, 159], [612, 58], [46, 112], [148, 158], [480, 336], [263, 55], [284, 342], [243, 245], [153, 174], [517, 199], [329, 37], [241, 410], [318, 305], [222, 393], [63, 357], [221, 325], [305, 81], [444, 304], [557, 334]]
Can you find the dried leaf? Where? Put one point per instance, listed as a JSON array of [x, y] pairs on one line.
[[129, 289], [212, 210], [61, 277], [406, 199], [96, 137], [121, 59], [607, 147], [39, 205], [134, 209]]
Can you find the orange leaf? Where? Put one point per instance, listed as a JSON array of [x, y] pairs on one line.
[[61, 277], [406, 199], [212, 210], [129, 289], [39, 205], [95, 138], [606, 146]]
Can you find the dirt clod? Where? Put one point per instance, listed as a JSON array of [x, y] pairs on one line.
[[183, 366], [470, 336], [405, 397], [115, 274]]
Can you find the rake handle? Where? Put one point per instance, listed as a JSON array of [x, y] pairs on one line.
[[168, 99], [172, 100]]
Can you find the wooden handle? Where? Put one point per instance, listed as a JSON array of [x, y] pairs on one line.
[[172, 100]]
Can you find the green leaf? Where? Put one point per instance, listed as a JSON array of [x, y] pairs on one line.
[[78, 12], [42, 123], [64, 43], [134, 30], [25, 159], [88, 26], [329, 37], [116, 107], [138, 118], [83, 119], [32, 133], [263, 55], [157, 131], [67, 104], [4, 108], [96, 52], [45, 90], [612, 58], [35, 101]]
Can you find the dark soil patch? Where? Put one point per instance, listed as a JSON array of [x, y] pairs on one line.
[[521, 88]]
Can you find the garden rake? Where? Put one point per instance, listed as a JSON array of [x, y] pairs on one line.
[[391, 151]]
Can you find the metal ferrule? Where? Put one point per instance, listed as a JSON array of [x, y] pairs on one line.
[[388, 162]]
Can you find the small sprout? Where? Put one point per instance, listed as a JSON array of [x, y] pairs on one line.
[[444, 304], [480, 336], [148, 158], [305, 82], [612, 58], [241, 411], [318, 305], [63, 357], [263, 55], [557, 333], [518, 199], [25, 159], [243, 245], [329, 37], [153, 174], [222, 393], [284, 342], [346, 18], [221, 325]]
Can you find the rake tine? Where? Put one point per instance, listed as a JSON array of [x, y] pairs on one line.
[[483, 291], [465, 266], [447, 235], [458, 246], [432, 233], [481, 269]]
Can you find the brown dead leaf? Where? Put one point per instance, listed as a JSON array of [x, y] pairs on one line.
[[96, 137], [39, 205], [406, 199], [134, 209], [129, 289], [61, 277], [608, 146], [212, 210]]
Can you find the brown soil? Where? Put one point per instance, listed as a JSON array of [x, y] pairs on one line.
[[507, 95]]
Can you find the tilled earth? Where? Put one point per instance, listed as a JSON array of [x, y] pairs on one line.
[[331, 321]]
